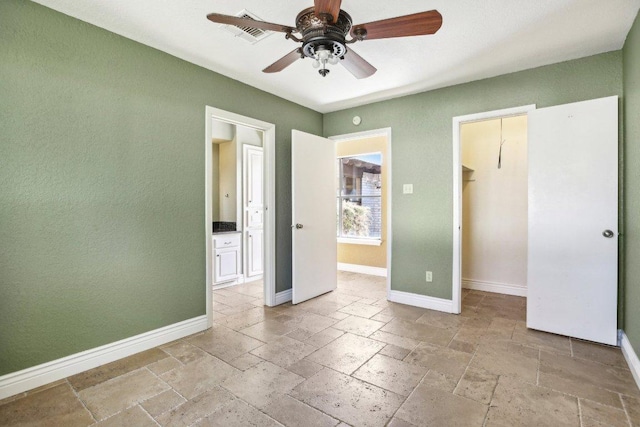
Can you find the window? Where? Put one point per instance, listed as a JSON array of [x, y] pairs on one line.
[[360, 197]]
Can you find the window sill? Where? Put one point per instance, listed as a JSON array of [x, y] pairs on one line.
[[367, 242]]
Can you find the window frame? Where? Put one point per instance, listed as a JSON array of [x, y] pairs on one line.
[[370, 241]]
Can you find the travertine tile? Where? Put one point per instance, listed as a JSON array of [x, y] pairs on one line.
[[405, 312], [385, 318], [134, 416], [632, 406], [440, 381], [244, 319], [225, 343], [237, 414], [245, 361], [430, 406], [55, 406], [419, 332], [114, 369], [598, 353], [394, 351], [311, 322], [508, 358], [477, 384], [267, 330], [262, 383], [293, 413], [162, 403], [542, 340], [110, 397], [441, 359], [305, 368], [441, 320], [391, 374], [358, 325], [586, 379], [164, 365], [517, 403], [184, 352], [361, 310], [596, 414], [283, 351], [324, 337], [397, 422], [347, 398], [347, 353], [393, 339], [196, 408], [197, 377], [463, 346]]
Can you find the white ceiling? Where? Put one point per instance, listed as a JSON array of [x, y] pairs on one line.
[[478, 39]]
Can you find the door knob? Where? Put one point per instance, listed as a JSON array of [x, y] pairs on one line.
[[607, 233], [298, 226]]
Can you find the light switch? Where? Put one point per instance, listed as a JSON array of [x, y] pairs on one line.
[[407, 188]]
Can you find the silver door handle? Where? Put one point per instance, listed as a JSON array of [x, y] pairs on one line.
[[607, 233], [299, 226]]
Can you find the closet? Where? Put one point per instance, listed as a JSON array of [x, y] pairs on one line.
[[494, 205]]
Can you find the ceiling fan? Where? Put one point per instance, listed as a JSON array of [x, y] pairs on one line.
[[323, 30]]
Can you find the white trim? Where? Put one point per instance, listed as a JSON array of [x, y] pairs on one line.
[[368, 242], [284, 296], [457, 192], [631, 357], [269, 142], [36, 376], [432, 303], [367, 134], [363, 269], [498, 288]]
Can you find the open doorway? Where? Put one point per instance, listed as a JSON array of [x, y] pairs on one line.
[[490, 204], [363, 188], [239, 192]]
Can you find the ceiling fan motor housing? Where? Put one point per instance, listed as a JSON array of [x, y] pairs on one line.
[[319, 34]]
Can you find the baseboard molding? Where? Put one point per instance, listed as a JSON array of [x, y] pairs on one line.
[[363, 269], [423, 301], [36, 376], [631, 357], [282, 297], [498, 288]]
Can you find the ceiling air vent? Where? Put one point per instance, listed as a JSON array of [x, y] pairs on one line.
[[252, 35]]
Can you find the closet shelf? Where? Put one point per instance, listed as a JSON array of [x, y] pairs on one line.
[[467, 169]]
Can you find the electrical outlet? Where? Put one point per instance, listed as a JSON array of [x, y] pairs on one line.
[[407, 188], [429, 276]]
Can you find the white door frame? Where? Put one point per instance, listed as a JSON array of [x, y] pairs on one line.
[[269, 139], [386, 132], [456, 289]]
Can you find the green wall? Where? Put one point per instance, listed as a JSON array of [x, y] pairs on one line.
[[422, 153], [631, 59], [102, 184]]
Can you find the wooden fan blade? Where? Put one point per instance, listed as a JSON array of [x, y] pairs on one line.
[[357, 65], [284, 62], [328, 7], [417, 24], [247, 22]]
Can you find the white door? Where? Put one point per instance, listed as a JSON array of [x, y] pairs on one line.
[[313, 176], [573, 220], [254, 250], [226, 264]]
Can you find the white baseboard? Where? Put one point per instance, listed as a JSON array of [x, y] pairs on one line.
[[498, 288], [631, 357], [36, 376], [284, 296], [250, 279], [423, 301], [363, 269]]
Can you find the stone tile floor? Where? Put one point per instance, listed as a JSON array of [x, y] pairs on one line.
[[349, 357]]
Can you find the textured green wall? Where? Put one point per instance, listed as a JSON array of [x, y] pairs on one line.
[[102, 184], [422, 153], [631, 59]]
